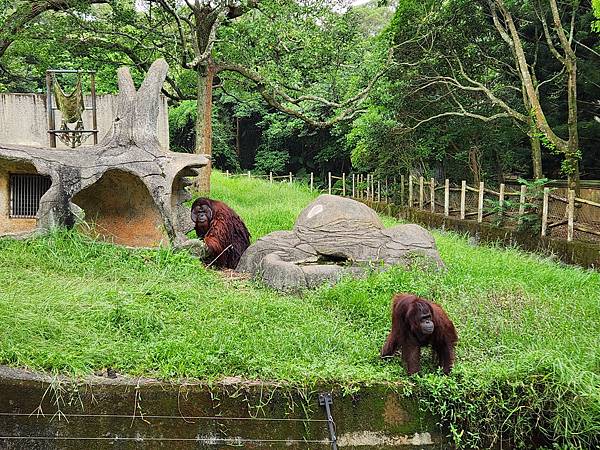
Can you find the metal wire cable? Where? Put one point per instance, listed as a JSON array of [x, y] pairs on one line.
[[146, 416], [142, 439]]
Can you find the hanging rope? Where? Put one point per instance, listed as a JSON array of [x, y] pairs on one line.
[[71, 107]]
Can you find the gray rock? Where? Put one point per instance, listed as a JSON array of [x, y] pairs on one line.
[[334, 237]]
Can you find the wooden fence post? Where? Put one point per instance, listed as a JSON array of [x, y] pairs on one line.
[[291, 179], [545, 211], [249, 174], [570, 214], [401, 190], [271, 177], [344, 184], [522, 202], [501, 199], [432, 194], [311, 181], [463, 198], [378, 191], [421, 182], [227, 173], [372, 187], [480, 204], [359, 187], [353, 189], [410, 191], [329, 182], [447, 198], [387, 192]]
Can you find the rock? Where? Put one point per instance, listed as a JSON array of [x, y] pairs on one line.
[[335, 237]]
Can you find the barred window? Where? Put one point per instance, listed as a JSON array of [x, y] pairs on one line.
[[26, 190]]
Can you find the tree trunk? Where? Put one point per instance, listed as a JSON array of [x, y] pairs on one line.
[[237, 137], [536, 157], [475, 163], [204, 126]]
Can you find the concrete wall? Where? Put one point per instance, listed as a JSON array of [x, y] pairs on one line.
[[23, 119], [134, 413]]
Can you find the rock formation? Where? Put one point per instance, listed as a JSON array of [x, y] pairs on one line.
[[332, 237]]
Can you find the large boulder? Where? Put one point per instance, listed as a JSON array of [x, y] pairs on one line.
[[333, 237]]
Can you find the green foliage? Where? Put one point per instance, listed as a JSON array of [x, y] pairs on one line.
[[267, 160], [499, 210], [531, 220], [182, 121]]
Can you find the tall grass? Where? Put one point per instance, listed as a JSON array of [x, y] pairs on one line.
[[528, 359]]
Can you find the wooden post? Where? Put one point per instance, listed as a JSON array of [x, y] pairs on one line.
[[94, 108], [401, 190], [368, 186], [570, 214], [501, 199], [329, 182], [353, 188], [312, 179], [271, 177], [49, 110], [480, 204], [359, 187], [421, 188], [378, 191], [410, 191], [344, 184], [432, 194], [522, 202], [387, 192], [291, 178], [545, 211], [463, 197], [372, 187], [227, 173], [249, 174], [447, 198]]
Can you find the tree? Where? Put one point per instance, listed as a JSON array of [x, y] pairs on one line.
[[286, 27], [17, 15], [466, 72]]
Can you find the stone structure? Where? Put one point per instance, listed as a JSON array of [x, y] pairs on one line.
[[332, 237], [128, 413], [129, 189], [24, 119]]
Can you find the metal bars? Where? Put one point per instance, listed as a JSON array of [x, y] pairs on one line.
[[26, 190]]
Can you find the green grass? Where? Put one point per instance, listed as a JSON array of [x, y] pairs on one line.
[[528, 360]]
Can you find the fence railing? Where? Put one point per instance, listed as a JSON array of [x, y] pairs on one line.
[[571, 217]]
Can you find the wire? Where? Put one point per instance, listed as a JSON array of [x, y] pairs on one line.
[[142, 439], [130, 416]]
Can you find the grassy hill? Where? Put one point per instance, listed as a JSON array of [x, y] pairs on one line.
[[528, 359]]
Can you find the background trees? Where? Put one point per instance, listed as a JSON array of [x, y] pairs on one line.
[[477, 88]]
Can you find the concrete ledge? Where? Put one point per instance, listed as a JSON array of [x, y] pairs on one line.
[[144, 413]]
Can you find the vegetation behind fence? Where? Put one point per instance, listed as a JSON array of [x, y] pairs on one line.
[[533, 207]]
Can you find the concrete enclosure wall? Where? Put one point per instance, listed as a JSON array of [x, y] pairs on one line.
[[23, 119], [124, 413]]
